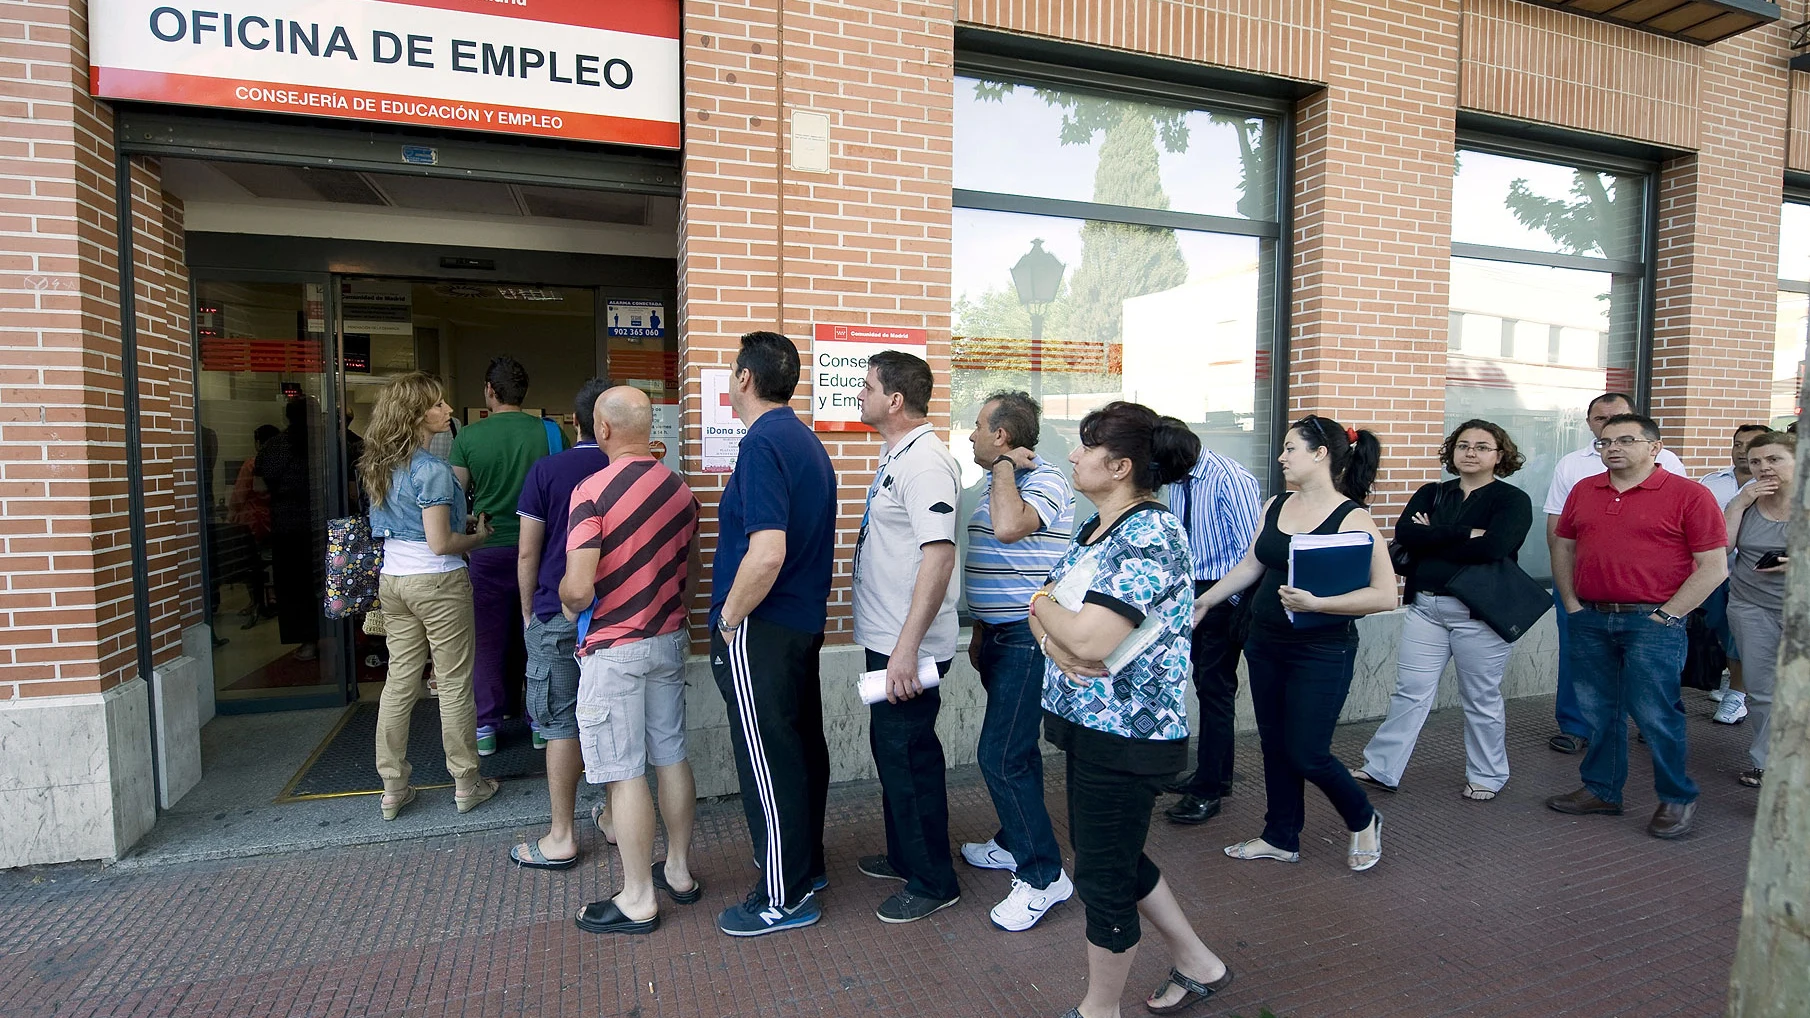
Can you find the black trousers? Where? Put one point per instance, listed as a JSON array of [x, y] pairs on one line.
[[1108, 820], [1216, 684], [913, 789], [769, 679], [299, 564]]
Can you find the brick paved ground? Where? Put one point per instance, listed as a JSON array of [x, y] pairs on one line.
[[1500, 908]]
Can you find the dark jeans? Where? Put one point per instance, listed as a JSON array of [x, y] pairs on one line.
[[1565, 708], [1216, 684], [1298, 688], [1629, 665], [909, 757], [1011, 671], [1108, 820], [500, 674]]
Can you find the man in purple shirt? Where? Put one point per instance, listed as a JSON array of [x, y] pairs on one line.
[[544, 509]]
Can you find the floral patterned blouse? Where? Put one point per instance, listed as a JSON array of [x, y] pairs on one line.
[[1143, 567]]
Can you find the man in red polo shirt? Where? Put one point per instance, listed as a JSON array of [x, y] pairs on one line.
[[1637, 549]]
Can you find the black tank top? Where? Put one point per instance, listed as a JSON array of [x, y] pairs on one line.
[[1267, 612]]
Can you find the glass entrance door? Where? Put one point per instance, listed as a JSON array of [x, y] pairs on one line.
[[271, 477]]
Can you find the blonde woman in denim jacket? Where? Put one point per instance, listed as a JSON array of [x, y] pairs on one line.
[[418, 511]]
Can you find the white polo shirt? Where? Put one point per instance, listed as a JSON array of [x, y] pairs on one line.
[[911, 502], [1575, 466]]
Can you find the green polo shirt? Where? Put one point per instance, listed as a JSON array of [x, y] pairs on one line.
[[498, 451]]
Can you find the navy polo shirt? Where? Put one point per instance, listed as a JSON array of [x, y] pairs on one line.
[[782, 481]]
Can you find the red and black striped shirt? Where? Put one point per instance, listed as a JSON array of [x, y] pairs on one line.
[[640, 517]]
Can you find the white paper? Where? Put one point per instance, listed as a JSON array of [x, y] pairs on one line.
[[873, 684], [1071, 592]]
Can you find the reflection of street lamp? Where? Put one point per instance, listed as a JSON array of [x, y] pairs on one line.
[[1038, 278]]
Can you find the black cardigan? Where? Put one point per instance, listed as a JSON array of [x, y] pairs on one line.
[[1501, 510]]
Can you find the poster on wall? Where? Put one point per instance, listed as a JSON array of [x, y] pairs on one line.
[[839, 368], [666, 443], [723, 430], [573, 69], [377, 307], [635, 319]]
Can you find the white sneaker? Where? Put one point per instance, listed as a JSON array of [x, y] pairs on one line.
[[1722, 690], [1733, 709], [987, 855], [1026, 904]]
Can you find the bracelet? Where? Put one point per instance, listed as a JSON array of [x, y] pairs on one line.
[[1031, 608], [1042, 645]]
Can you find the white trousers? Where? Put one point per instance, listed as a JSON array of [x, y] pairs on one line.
[[1438, 629]]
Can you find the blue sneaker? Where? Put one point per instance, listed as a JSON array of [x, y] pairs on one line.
[[756, 916]]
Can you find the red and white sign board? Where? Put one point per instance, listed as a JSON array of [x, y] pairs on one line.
[[586, 70], [839, 368]]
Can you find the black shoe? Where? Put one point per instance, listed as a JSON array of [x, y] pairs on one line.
[[905, 907], [604, 917], [878, 867], [1192, 810]]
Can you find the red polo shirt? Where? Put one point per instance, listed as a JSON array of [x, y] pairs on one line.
[[1635, 546]]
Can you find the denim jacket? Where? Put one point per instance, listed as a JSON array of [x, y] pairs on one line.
[[427, 481]]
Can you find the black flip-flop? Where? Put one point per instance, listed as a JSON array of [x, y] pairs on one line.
[[1194, 992], [1363, 775], [604, 917], [537, 860], [691, 897]]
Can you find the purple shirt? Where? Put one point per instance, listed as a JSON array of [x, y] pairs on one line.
[[547, 497]]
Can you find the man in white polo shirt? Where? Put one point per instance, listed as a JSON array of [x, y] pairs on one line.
[[905, 613], [1573, 736]]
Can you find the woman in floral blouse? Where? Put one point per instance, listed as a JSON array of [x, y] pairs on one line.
[[1115, 623]]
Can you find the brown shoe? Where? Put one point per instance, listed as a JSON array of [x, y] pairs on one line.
[[1582, 803], [1672, 819]]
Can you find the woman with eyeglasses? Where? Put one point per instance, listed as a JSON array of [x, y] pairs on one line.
[[1471, 519], [1300, 677]]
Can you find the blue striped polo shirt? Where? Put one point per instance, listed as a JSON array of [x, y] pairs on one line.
[[998, 579]]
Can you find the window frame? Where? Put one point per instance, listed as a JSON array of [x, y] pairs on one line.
[[1279, 230]]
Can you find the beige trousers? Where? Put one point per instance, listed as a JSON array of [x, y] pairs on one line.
[[423, 615]]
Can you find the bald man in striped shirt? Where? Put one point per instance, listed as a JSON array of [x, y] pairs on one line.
[[628, 551]]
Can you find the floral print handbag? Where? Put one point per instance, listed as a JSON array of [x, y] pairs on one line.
[[354, 561]]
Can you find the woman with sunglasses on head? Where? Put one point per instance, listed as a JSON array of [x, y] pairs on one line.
[[1447, 525], [1124, 591], [1300, 677]]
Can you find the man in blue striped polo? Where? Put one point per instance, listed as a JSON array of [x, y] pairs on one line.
[[1023, 524], [1218, 506]]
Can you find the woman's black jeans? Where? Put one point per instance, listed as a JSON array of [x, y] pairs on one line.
[[1108, 819], [1298, 688]]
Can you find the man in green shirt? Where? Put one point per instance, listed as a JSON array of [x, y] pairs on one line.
[[491, 459]]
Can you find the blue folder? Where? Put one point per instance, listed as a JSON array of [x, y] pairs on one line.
[[1327, 565]]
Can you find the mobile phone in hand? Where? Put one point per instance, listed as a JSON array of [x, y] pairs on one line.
[[1770, 559]]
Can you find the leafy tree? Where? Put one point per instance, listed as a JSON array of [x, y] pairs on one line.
[[1598, 219]]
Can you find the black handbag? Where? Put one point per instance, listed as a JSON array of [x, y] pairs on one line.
[[1399, 556], [1704, 658], [1502, 596]]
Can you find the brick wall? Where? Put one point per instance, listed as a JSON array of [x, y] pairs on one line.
[[867, 243], [1373, 222], [65, 592]]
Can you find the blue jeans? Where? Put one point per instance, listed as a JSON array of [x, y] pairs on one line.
[[1298, 688], [1011, 671], [1629, 665], [1565, 708], [913, 792]]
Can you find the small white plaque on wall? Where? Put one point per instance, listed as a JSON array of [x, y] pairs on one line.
[[810, 141]]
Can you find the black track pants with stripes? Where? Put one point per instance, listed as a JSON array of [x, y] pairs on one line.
[[769, 677]]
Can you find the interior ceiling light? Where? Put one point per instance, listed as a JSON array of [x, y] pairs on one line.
[[459, 290], [527, 293]]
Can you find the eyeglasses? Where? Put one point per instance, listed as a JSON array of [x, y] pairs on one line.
[[1623, 442], [1481, 450]]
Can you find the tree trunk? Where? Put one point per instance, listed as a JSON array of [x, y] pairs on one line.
[[1771, 977]]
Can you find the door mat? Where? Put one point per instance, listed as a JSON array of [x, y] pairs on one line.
[[345, 763]]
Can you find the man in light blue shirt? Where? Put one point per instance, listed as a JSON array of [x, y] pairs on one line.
[[1218, 506], [1021, 528]]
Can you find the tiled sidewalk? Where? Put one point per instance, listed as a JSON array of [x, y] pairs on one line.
[[1477, 909]]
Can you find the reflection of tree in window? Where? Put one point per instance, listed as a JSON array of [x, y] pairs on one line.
[[1600, 218]]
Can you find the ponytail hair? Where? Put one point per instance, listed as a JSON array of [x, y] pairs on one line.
[[1162, 450], [1353, 454]]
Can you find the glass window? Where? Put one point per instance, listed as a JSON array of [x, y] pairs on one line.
[[1083, 312], [1534, 337], [1080, 146], [1789, 351]]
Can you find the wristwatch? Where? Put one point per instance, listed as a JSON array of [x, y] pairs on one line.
[[1002, 458], [1668, 618]]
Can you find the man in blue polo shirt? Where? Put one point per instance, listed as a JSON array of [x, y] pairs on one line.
[[769, 597], [544, 511]]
